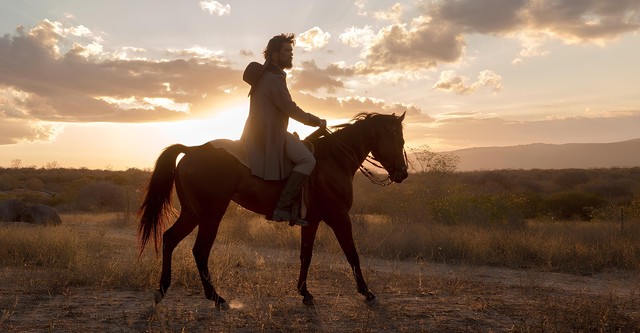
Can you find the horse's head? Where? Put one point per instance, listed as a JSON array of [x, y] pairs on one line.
[[389, 146]]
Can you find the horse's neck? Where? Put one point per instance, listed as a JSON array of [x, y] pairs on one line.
[[358, 141]]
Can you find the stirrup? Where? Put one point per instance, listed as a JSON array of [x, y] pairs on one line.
[[280, 215]]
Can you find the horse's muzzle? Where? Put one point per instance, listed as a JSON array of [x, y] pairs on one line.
[[398, 175]]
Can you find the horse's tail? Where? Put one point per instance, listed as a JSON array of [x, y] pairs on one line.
[[157, 202]]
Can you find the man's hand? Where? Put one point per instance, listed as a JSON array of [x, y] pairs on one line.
[[323, 123]]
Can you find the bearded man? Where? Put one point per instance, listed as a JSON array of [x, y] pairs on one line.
[[274, 153]]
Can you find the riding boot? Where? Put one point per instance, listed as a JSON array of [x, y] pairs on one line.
[[291, 192]]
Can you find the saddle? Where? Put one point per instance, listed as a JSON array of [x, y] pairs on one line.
[[237, 149]]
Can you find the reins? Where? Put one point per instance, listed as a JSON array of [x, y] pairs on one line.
[[374, 178]]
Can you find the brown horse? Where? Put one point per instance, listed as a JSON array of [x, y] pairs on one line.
[[208, 178]]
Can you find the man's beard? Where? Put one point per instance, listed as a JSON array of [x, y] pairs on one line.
[[287, 64]]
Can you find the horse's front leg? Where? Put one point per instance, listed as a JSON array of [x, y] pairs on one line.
[[308, 236], [341, 225]]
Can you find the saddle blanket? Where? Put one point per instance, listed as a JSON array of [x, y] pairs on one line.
[[236, 149]]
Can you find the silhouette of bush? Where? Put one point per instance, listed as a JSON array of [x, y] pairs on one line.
[[572, 204], [490, 209], [101, 197], [570, 178], [426, 160], [34, 184], [612, 189], [6, 182]]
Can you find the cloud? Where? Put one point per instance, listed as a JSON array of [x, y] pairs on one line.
[[535, 21], [347, 107], [360, 4], [129, 53], [214, 7], [419, 45], [313, 39], [568, 20], [51, 76], [532, 45], [452, 82], [437, 34], [584, 21], [393, 14], [311, 78], [473, 131], [246, 53], [43, 81], [196, 52], [482, 16], [357, 37], [12, 131]]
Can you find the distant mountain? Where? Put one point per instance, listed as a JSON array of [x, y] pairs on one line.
[[551, 156]]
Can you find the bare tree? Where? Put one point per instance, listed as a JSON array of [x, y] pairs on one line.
[[16, 163], [52, 165], [430, 161]]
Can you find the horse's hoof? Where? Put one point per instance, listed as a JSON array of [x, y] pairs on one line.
[[370, 299], [308, 300], [157, 297], [223, 305]]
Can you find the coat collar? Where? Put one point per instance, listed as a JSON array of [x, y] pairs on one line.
[[254, 71], [275, 69]]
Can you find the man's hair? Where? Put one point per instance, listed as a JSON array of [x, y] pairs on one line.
[[275, 44]]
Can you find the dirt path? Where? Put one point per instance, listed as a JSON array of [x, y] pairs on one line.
[[412, 297]]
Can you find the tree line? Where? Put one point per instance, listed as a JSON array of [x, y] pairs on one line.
[[436, 195]]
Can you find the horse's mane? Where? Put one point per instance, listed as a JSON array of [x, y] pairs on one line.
[[356, 118]]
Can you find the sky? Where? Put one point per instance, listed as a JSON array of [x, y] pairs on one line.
[[109, 84]]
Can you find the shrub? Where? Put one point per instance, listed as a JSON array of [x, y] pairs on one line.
[[34, 184], [101, 197], [572, 204], [570, 178], [6, 182]]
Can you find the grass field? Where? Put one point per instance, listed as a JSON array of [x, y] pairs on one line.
[[85, 275]]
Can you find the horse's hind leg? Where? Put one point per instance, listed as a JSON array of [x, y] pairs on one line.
[[308, 234], [207, 231], [170, 239]]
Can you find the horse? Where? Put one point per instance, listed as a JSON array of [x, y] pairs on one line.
[[207, 179]]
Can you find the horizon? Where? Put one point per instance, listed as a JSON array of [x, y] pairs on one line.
[[473, 159], [98, 85]]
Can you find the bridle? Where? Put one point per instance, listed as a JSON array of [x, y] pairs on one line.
[[374, 178]]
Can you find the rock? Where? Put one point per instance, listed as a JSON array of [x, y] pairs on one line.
[[11, 210], [40, 214]]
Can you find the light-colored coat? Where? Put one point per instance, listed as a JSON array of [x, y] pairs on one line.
[[264, 132]]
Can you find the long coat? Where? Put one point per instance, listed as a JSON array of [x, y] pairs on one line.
[[264, 132]]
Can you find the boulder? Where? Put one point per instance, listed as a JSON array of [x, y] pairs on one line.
[[40, 214], [11, 210]]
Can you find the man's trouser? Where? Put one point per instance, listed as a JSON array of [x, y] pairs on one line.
[[296, 152]]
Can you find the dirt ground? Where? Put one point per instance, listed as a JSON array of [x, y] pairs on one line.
[[411, 297]]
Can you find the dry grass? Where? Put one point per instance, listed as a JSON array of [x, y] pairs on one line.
[[86, 275], [101, 250], [575, 247]]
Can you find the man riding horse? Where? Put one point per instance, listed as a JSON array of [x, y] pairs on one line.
[[207, 178], [270, 147]]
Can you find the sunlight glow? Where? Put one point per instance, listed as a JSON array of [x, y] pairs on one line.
[[147, 103], [227, 124]]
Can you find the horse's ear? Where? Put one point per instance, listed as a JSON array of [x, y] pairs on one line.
[[401, 118]]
